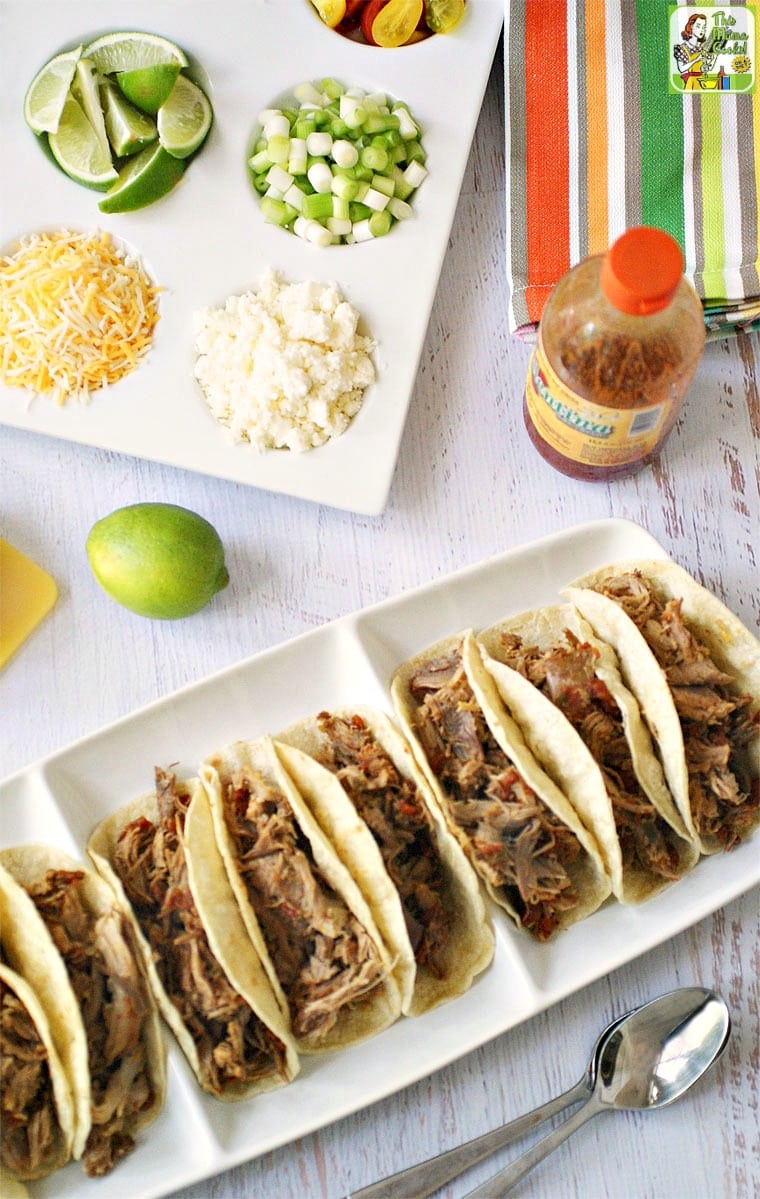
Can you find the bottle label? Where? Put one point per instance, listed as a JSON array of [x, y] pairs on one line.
[[583, 431]]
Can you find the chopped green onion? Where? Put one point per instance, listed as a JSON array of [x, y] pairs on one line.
[[401, 187], [415, 173], [415, 152], [319, 144], [332, 89], [320, 177], [295, 196], [260, 162], [337, 165], [298, 161], [382, 183], [375, 200], [361, 231], [278, 178], [380, 223], [303, 127], [339, 226], [374, 157], [278, 125], [407, 126], [347, 189], [278, 149], [345, 153], [318, 207], [307, 93], [399, 209], [359, 212], [277, 212]]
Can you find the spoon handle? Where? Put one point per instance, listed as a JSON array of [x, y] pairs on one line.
[[504, 1180], [421, 1180]]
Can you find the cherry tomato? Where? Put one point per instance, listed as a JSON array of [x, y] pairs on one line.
[[441, 16], [330, 11], [396, 22], [352, 19], [369, 12]]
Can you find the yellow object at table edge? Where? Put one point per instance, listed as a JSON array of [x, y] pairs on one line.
[[27, 593]]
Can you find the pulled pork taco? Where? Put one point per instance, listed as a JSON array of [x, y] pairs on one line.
[[360, 780], [564, 689], [521, 834], [37, 1115], [303, 910], [159, 854], [67, 937], [695, 671]]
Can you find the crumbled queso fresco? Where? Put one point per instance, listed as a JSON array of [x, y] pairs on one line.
[[283, 367]]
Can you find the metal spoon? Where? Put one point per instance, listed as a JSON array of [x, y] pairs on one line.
[[645, 1059]]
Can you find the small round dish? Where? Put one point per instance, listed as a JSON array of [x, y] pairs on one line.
[[336, 164], [78, 312], [121, 113]]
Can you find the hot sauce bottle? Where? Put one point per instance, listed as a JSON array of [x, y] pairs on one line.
[[620, 339]]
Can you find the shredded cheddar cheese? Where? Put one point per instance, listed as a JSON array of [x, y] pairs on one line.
[[76, 314]]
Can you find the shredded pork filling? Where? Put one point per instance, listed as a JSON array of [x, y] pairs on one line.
[[30, 1134], [108, 987], [516, 842], [717, 723], [566, 674], [234, 1046], [323, 956], [391, 806]]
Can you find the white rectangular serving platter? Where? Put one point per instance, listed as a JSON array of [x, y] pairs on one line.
[[207, 239], [349, 661]]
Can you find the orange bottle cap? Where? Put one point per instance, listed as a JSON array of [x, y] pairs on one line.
[[641, 271]]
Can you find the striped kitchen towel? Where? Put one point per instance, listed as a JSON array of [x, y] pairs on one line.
[[623, 113]]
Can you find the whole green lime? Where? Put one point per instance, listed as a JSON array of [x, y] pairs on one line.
[[159, 560]]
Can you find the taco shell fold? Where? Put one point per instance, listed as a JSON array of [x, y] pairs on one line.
[[442, 903], [53, 1090], [323, 951], [125, 1041], [551, 873], [600, 754], [695, 671], [221, 953]]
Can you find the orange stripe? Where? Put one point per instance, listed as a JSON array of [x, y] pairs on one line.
[[546, 118], [596, 126]]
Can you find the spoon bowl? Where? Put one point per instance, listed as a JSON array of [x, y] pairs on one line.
[[655, 1053]]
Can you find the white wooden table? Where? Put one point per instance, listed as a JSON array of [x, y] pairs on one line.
[[467, 485]]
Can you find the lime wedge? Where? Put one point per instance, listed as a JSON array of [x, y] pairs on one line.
[[150, 86], [132, 51], [128, 129], [185, 119], [85, 89], [46, 94], [146, 177], [78, 151]]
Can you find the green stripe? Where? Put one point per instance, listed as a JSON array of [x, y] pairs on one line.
[[712, 194], [662, 170]]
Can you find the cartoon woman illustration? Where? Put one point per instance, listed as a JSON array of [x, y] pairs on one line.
[[692, 56]]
